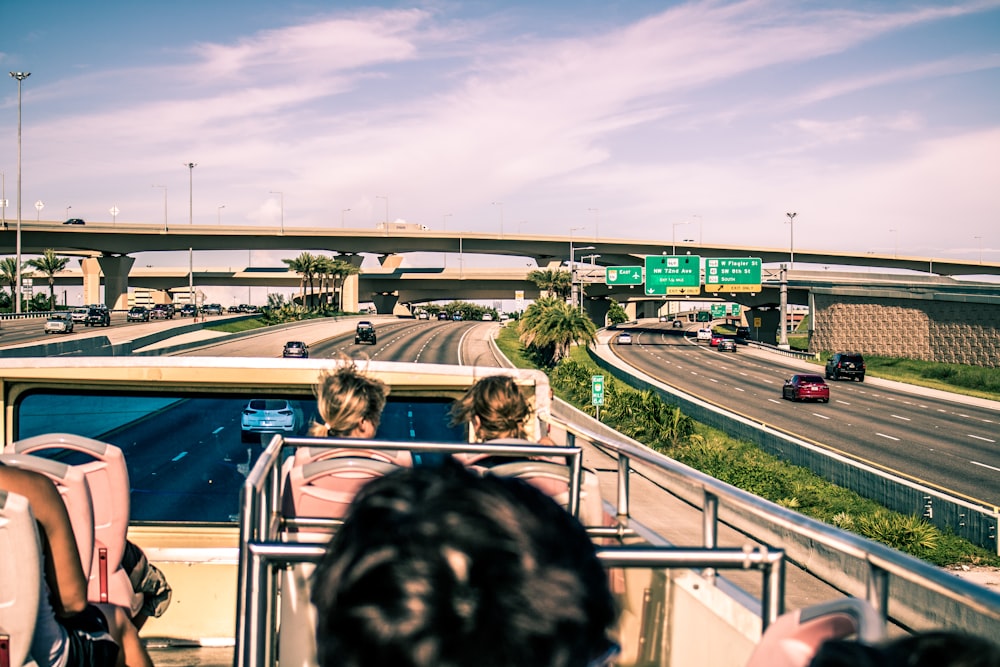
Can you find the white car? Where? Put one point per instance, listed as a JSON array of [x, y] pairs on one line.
[[80, 314], [625, 338], [59, 324], [422, 315], [487, 317], [269, 416], [705, 334]]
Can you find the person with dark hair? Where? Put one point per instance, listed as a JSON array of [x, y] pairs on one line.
[[442, 567], [937, 648]]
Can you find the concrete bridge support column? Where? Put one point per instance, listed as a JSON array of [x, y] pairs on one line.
[[349, 286], [115, 270], [385, 303], [770, 321], [91, 280], [597, 310]]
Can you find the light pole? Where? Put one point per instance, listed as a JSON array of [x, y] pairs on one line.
[[67, 211], [500, 204], [895, 242], [191, 166], [164, 205], [673, 235], [281, 195], [791, 243], [386, 198], [342, 212], [20, 76], [597, 222], [218, 212]]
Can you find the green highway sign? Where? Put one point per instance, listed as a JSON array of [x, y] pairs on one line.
[[735, 309], [732, 274], [673, 274], [597, 390], [623, 275], [718, 310]]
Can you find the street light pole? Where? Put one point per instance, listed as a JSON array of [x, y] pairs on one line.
[[791, 244], [281, 195], [219, 213], [20, 76], [342, 212], [164, 205], [386, 198], [895, 242], [673, 235], [500, 204], [191, 166]]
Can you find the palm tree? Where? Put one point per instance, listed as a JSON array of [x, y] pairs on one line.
[[305, 265], [551, 326], [554, 281], [8, 271], [340, 269], [50, 264]]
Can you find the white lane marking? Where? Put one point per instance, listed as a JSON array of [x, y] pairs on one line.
[[739, 388], [983, 465], [766, 381], [883, 435], [963, 415], [179, 456], [713, 380], [816, 414], [743, 374], [979, 437], [906, 419], [773, 400], [841, 402], [218, 430]]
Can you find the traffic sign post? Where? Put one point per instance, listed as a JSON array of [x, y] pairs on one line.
[[732, 274], [623, 275], [673, 274], [597, 394]]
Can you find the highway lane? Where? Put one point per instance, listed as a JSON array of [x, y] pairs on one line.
[[948, 444]]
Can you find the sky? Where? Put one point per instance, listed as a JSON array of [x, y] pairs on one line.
[[877, 123]]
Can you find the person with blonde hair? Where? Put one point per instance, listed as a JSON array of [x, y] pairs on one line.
[[349, 402]]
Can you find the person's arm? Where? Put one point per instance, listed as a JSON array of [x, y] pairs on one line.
[[63, 570]]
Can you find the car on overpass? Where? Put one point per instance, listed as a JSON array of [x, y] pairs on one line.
[[75, 221]]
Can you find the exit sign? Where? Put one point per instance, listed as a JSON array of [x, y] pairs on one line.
[[732, 274], [623, 275], [673, 274]]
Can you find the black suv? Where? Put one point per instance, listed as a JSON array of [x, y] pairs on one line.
[[98, 317], [846, 365], [365, 333], [189, 310]]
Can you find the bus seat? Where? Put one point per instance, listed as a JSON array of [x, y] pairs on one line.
[[792, 640], [553, 479], [325, 488], [75, 491], [20, 578], [304, 455], [107, 475]]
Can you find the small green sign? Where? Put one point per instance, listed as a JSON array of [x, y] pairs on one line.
[[718, 310], [735, 309], [597, 390], [623, 275]]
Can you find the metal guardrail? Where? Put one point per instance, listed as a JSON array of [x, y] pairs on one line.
[[263, 553], [795, 354], [921, 594]]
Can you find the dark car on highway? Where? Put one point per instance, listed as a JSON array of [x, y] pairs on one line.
[[295, 349], [443, 316], [189, 310], [137, 314], [726, 345], [212, 309], [75, 221], [98, 317], [162, 311], [802, 387], [846, 365], [364, 333]]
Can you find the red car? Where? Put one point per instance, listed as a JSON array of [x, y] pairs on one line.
[[714, 340], [801, 387]]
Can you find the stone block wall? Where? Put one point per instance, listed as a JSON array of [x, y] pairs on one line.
[[955, 332]]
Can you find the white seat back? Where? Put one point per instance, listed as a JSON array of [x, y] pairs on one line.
[[107, 476], [553, 479], [75, 491], [20, 576], [325, 488]]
